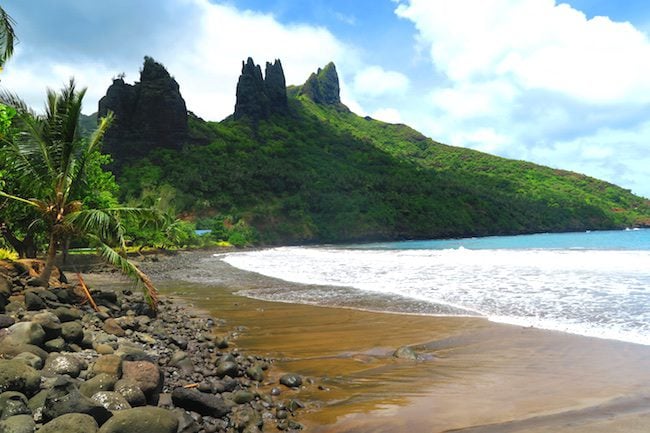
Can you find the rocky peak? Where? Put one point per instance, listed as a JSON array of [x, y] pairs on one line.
[[149, 114], [258, 97], [323, 86]]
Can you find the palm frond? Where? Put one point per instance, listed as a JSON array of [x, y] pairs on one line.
[[20, 199], [7, 37], [129, 269]]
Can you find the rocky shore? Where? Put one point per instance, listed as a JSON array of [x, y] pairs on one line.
[[123, 367]]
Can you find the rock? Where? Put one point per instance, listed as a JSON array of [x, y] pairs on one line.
[[24, 333], [58, 363], [108, 364], [227, 368], [244, 418], [15, 375], [291, 380], [150, 114], [55, 345], [141, 420], [112, 327], [13, 403], [111, 400], [200, 402], [50, 324], [131, 392], [68, 399], [146, 374], [258, 98], [179, 341], [72, 332], [33, 302], [186, 424], [18, 424], [104, 349], [9, 350], [101, 382], [30, 359], [323, 86], [255, 372], [405, 352], [71, 423], [66, 314], [243, 397], [6, 321]]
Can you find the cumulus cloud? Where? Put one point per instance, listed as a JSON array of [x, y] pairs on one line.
[[390, 115], [203, 49], [534, 79], [375, 81]]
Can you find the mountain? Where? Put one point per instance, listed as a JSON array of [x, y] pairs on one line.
[[299, 166]]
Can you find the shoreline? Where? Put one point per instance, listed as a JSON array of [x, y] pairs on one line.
[[471, 372]]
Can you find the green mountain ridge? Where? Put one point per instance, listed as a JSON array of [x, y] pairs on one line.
[[316, 172]]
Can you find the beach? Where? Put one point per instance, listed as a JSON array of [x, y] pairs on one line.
[[470, 374]]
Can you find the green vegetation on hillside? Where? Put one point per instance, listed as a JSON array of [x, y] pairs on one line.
[[324, 174]]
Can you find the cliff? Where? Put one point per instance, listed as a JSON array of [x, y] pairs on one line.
[[149, 114]]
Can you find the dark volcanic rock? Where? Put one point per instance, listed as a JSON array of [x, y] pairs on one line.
[[257, 97], [200, 402], [276, 87], [149, 114], [323, 86]]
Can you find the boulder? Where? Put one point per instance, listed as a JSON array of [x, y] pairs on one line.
[[67, 314], [101, 382], [146, 374], [131, 392], [111, 400], [227, 368], [6, 321], [71, 423], [141, 420], [246, 419], [108, 364], [58, 364], [55, 345], [72, 332], [67, 399], [291, 380], [13, 403], [112, 327], [30, 359], [200, 402], [15, 375], [33, 302], [18, 424], [24, 333]]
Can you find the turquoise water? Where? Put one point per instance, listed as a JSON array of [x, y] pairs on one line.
[[633, 239], [594, 284]]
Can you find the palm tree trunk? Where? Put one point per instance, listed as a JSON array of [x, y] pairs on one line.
[[49, 261]]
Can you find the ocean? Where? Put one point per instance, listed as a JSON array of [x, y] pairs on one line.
[[592, 283]]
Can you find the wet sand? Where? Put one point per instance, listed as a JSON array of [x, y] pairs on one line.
[[473, 375]]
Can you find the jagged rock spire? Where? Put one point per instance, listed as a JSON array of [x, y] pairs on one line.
[[323, 86], [149, 114], [257, 97]]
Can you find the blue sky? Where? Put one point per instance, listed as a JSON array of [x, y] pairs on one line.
[[561, 84]]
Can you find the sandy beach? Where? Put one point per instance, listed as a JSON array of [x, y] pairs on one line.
[[471, 375]]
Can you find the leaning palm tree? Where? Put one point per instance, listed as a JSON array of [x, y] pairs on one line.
[[50, 153], [7, 37]]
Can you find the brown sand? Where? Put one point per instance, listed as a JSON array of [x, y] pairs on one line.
[[475, 376]]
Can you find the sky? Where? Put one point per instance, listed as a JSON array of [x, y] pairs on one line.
[[563, 84]]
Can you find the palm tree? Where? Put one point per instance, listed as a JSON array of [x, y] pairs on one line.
[[50, 153], [7, 37]]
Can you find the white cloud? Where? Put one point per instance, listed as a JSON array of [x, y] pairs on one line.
[[375, 81], [390, 115], [533, 79], [206, 60]]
